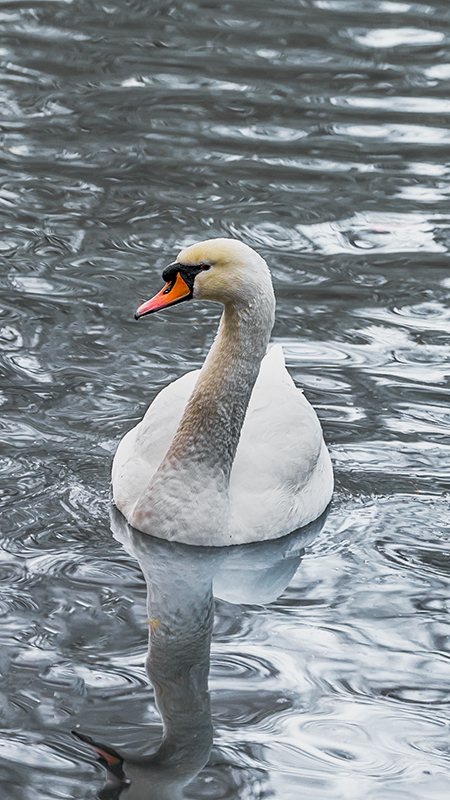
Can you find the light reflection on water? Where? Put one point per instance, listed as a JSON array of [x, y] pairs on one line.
[[317, 131]]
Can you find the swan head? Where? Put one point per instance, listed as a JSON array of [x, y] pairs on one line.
[[222, 270]]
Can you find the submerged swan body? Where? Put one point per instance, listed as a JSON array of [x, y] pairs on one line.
[[231, 453]]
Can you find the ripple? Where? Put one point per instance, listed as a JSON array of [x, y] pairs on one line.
[[369, 743], [83, 501], [30, 366], [272, 133], [415, 105], [83, 678], [261, 710], [11, 604], [424, 195], [417, 694], [420, 418], [12, 574], [272, 235], [422, 316], [438, 71], [335, 743], [10, 338], [376, 352], [426, 559], [26, 749], [395, 134], [229, 779], [183, 82], [385, 233], [243, 667], [396, 37], [33, 285], [21, 434], [77, 570], [425, 463], [371, 6]]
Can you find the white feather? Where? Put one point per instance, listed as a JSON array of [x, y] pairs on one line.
[[231, 453], [281, 477]]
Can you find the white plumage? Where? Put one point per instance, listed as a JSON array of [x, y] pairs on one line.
[[206, 465]]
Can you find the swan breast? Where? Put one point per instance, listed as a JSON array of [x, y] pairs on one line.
[[281, 477]]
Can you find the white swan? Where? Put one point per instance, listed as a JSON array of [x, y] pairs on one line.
[[231, 453]]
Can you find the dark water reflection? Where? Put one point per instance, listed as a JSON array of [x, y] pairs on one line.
[[182, 582], [317, 131]]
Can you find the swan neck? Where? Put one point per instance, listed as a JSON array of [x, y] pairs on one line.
[[180, 609], [210, 428]]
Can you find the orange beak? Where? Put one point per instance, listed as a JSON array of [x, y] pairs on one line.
[[174, 292]]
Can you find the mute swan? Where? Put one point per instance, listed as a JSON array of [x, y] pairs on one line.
[[231, 453]]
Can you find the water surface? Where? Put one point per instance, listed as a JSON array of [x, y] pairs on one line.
[[318, 132]]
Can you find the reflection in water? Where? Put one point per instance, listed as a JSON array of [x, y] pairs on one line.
[[182, 581]]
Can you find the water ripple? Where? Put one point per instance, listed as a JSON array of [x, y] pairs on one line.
[[396, 37], [75, 570], [28, 751], [83, 679], [316, 132]]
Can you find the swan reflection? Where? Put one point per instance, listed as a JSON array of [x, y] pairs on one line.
[[182, 581]]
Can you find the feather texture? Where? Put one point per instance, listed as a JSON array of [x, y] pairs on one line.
[[234, 452]]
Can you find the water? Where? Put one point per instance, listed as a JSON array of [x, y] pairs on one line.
[[317, 132]]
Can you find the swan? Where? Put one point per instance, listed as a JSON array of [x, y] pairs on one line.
[[232, 453]]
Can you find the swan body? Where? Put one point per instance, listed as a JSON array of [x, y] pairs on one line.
[[231, 453]]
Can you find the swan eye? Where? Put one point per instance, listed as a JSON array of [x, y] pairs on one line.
[[205, 267]]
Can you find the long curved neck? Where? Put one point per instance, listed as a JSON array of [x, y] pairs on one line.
[[181, 616], [209, 431]]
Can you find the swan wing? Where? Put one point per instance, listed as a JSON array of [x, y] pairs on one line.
[[281, 477], [143, 448]]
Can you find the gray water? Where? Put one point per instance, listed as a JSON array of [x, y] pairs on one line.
[[317, 132]]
